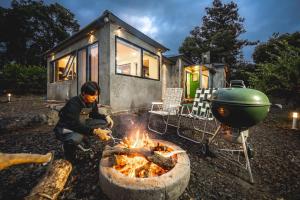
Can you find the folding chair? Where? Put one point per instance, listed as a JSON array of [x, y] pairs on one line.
[[200, 112], [169, 107]]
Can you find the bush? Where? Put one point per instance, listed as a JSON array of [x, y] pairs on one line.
[[24, 79]]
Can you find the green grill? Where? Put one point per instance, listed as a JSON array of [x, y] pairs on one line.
[[239, 107]]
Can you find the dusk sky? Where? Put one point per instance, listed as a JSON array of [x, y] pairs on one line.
[[170, 21]]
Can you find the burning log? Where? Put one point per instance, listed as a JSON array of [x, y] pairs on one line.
[[149, 154], [143, 169], [50, 186], [7, 160]]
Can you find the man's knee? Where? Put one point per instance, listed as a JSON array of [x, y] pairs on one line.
[[73, 138]]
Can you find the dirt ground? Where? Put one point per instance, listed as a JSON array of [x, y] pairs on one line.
[[275, 166]]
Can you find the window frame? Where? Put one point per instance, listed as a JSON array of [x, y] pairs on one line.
[[87, 64], [141, 59], [52, 65]]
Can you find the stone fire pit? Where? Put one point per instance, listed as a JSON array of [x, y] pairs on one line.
[[170, 185]]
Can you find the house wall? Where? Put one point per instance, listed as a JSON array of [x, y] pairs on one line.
[[169, 77], [218, 79], [127, 92]]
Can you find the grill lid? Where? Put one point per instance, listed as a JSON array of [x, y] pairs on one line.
[[241, 96]]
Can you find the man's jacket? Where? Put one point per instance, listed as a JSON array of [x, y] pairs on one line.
[[72, 112]]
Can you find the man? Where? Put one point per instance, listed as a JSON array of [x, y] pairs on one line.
[[80, 118]]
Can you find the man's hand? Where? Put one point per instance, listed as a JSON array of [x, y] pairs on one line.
[[103, 134], [109, 121]]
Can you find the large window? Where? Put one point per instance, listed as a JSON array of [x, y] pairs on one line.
[[150, 65], [85, 60], [93, 62], [64, 68], [82, 63], [128, 59], [134, 61]]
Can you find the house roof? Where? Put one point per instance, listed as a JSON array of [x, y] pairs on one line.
[[106, 17], [183, 57]]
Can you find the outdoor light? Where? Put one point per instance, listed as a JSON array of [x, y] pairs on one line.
[[119, 30], [91, 37], [8, 97], [295, 117]]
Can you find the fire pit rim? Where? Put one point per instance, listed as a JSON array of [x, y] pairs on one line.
[[178, 172]]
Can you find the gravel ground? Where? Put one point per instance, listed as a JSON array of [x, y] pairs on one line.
[[275, 166]]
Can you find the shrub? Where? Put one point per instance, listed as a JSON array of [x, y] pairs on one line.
[[24, 79]]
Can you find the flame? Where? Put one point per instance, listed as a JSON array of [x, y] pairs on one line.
[[139, 166]]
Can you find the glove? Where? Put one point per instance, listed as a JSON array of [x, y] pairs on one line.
[[109, 121], [103, 134]]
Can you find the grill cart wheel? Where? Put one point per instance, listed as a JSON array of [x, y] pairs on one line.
[[250, 150], [205, 148]]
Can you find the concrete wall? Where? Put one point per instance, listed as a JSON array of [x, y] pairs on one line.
[[170, 77], [127, 92], [219, 78], [104, 64]]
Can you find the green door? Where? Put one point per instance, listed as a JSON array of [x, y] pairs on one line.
[[194, 84]]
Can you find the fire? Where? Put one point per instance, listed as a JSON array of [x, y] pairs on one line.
[[139, 166]]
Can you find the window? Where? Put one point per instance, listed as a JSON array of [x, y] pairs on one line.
[[150, 65], [205, 75], [93, 62], [134, 61], [128, 59], [51, 72], [82, 63], [65, 68]]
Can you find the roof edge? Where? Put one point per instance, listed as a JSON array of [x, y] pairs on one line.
[[100, 22]]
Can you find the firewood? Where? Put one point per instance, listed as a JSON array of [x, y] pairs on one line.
[[160, 160], [7, 160], [165, 162], [53, 182], [144, 168]]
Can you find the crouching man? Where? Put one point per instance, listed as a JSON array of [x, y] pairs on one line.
[[80, 118]]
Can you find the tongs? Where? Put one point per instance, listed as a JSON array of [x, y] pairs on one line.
[[115, 139]]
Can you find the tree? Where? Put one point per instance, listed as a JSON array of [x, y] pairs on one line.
[[279, 74], [29, 28], [264, 52], [218, 34]]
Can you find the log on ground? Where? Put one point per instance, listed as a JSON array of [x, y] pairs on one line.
[[53, 182], [10, 159]]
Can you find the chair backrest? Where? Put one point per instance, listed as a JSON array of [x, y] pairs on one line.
[[201, 107], [172, 99]]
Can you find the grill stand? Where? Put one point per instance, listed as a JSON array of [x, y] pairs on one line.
[[229, 153]]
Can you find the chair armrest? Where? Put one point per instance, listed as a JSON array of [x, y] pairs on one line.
[[187, 105], [157, 103]]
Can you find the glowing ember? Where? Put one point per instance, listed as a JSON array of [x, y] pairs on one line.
[[137, 165]]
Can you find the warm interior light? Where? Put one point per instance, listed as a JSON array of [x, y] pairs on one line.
[[295, 115], [9, 94]]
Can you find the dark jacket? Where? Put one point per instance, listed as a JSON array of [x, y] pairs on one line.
[[69, 115]]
